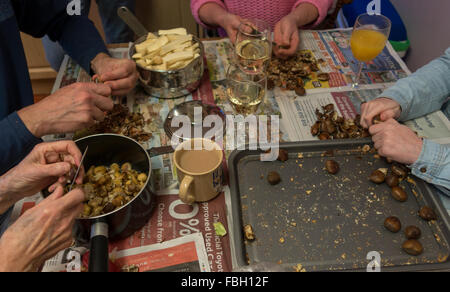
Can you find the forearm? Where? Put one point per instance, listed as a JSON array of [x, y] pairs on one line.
[[212, 14], [7, 199], [81, 40], [305, 13], [423, 92], [433, 164], [17, 142], [315, 11]]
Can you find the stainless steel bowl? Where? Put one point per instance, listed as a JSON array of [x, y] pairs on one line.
[[171, 83]]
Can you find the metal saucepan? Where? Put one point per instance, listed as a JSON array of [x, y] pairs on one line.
[[105, 149], [164, 84]]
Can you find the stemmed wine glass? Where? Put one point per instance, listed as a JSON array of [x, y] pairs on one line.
[[369, 37]]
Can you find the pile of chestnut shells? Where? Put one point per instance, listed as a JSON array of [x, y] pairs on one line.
[[330, 125], [289, 73]]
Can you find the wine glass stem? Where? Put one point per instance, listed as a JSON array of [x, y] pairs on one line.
[[358, 76]]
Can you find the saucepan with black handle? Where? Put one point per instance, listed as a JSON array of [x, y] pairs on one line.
[[105, 149]]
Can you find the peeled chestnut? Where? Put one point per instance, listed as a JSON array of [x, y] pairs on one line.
[[399, 194], [392, 224], [332, 166], [273, 178], [378, 176], [412, 232], [392, 180], [412, 247], [426, 213]]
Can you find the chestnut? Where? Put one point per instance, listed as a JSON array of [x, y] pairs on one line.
[[283, 155], [392, 180], [412, 232], [324, 136], [393, 224], [378, 176], [399, 194], [300, 91], [332, 166], [273, 178], [412, 247], [426, 213], [315, 129], [399, 170], [376, 120]]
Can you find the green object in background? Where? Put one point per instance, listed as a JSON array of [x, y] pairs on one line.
[[220, 229], [401, 47]]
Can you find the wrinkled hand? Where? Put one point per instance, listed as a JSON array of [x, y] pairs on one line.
[[230, 23], [396, 141], [46, 164], [385, 107], [119, 74], [286, 37], [41, 232], [68, 110]]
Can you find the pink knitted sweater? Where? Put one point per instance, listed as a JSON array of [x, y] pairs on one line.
[[271, 11]]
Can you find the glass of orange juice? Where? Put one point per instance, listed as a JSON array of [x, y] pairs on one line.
[[368, 40]]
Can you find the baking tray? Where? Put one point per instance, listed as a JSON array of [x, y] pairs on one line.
[[329, 222]]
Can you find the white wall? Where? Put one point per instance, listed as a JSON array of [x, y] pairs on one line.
[[428, 26]]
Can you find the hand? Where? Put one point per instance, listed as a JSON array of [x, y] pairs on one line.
[[385, 107], [286, 37], [69, 109], [396, 142], [230, 23], [119, 74], [46, 164], [41, 232]]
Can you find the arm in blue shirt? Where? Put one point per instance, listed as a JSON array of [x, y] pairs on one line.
[[424, 92], [17, 141], [76, 34]]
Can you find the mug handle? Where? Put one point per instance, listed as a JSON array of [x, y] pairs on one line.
[[186, 195]]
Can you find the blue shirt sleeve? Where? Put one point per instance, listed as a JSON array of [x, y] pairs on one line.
[[433, 165], [76, 34], [423, 92], [17, 142]]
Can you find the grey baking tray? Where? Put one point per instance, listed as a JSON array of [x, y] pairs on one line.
[[329, 222]]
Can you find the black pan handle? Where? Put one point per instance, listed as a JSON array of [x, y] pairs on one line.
[[156, 151], [99, 255]]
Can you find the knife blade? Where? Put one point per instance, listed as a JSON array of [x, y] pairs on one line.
[[78, 169]]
